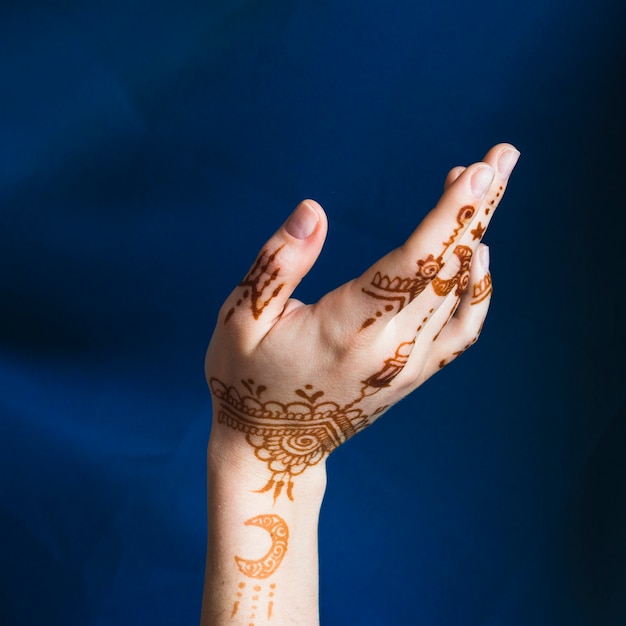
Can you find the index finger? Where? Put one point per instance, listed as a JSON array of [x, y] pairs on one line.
[[461, 216]]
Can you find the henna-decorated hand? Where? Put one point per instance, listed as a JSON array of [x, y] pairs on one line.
[[291, 382]]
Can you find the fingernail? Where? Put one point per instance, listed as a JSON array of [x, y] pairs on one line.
[[483, 257], [506, 162], [481, 180], [302, 221]]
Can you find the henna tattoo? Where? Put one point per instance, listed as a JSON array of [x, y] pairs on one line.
[[392, 367], [287, 437], [257, 283], [398, 291], [478, 232], [242, 586], [264, 567], [268, 564], [461, 279], [252, 603], [444, 362], [291, 437], [494, 201], [425, 320], [482, 289], [463, 216]]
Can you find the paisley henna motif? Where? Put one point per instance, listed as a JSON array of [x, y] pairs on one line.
[[290, 437], [258, 285], [398, 291], [287, 437]]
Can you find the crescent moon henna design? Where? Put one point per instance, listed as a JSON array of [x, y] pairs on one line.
[[287, 437], [398, 291], [268, 564], [462, 277], [258, 283], [460, 280]]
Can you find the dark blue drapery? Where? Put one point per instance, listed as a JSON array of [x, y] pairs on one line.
[[147, 150]]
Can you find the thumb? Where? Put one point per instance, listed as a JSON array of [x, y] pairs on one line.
[[280, 266]]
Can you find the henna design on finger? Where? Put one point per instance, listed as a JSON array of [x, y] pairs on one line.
[[398, 291], [445, 362], [478, 232], [494, 201], [460, 280], [392, 367], [482, 289], [257, 283]]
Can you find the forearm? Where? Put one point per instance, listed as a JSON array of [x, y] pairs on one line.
[[262, 555]]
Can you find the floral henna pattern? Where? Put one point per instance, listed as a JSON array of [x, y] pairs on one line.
[[259, 284], [287, 437], [291, 437], [398, 291]]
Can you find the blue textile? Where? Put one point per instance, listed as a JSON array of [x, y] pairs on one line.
[[147, 151]]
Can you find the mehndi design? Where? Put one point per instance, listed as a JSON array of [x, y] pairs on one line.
[[291, 437], [287, 437], [257, 284], [397, 292], [268, 564], [482, 289]]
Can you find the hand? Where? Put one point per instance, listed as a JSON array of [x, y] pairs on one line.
[[291, 382]]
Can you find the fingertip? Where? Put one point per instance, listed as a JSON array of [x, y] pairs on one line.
[[483, 256], [453, 174], [304, 220]]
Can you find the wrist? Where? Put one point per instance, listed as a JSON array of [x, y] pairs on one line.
[[273, 469], [259, 543]]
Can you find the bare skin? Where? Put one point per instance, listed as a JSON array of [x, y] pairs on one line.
[[290, 382]]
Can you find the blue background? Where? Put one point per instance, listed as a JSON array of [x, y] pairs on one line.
[[147, 151]]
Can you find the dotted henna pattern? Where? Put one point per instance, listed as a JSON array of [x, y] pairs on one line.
[[252, 602], [398, 291]]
